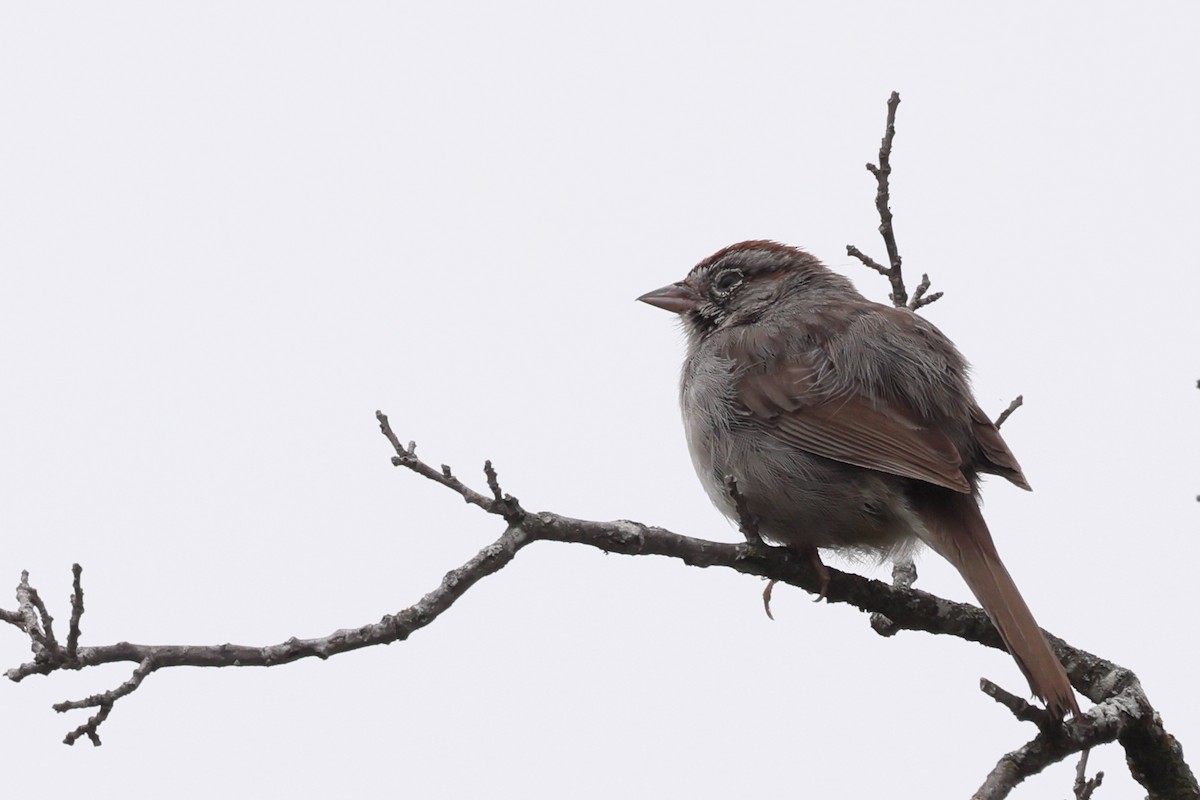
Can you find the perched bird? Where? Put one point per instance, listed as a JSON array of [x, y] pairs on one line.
[[847, 425]]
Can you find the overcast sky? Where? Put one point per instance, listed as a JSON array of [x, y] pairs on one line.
[[231, 231]]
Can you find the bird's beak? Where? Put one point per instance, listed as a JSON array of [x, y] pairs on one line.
[[677, 297]]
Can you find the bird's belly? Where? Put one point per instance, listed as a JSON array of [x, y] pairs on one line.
[[803, 500]]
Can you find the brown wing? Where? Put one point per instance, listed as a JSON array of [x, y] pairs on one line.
[[788, 400], [1000, 459]]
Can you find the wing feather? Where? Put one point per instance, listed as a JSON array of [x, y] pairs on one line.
[[788, 401]]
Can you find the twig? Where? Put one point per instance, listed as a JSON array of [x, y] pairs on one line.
[[883, 197], [76, 611], [867, 260], [47, 620], [30, 623], [493, 481], [1017, 402], [1020, 708], [919, 300], [1084, 786], [904, 575], [882, 173], [507, 506], [104, 702]]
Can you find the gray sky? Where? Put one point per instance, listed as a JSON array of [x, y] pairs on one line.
[[232, 231]]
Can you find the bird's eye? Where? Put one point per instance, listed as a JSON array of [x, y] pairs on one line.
[[727, 280]]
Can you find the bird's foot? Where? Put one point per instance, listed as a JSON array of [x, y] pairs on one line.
[[767, 599]]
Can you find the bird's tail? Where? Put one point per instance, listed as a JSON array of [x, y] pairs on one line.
[[958, 532]]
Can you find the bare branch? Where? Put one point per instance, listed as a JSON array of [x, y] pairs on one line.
[[919, 300], [27, 609], [104, 702], [47, 621], [904, 575], [1154, 756], [866, 260], [1020, 708], [1084, 787], [392, 628], [76, 611], [506, 507], [1017, 402], [1045, 749], [882, 173], [493, 481], [1122, 713]]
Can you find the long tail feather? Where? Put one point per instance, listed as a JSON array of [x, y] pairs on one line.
[[958, 532]]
